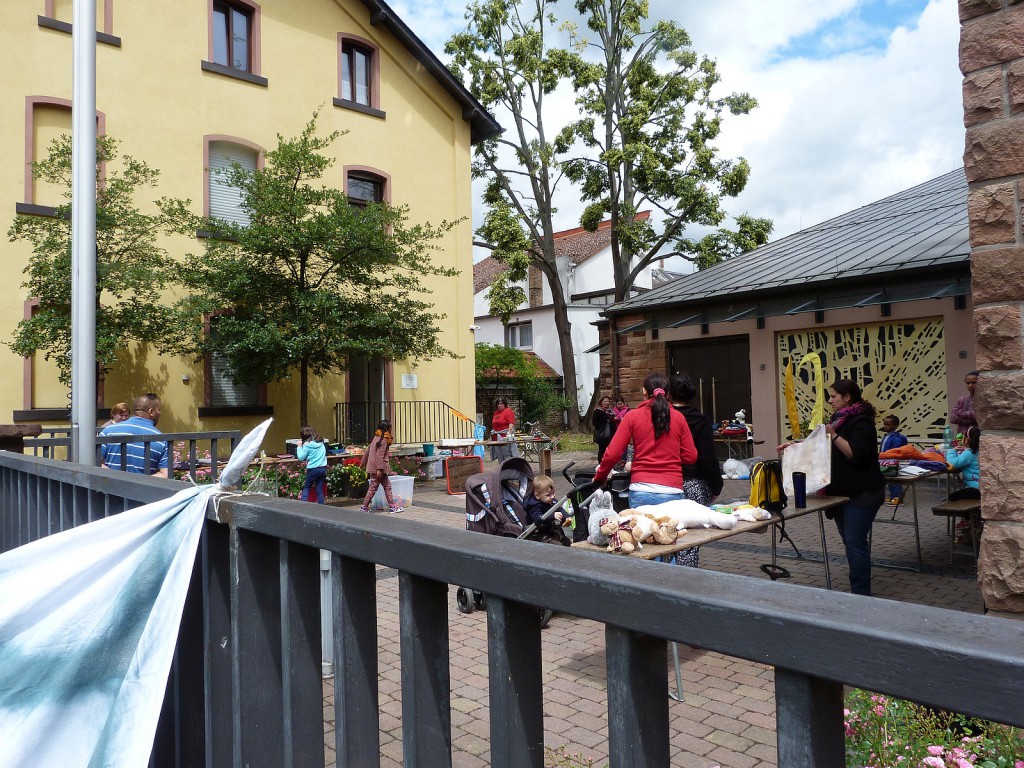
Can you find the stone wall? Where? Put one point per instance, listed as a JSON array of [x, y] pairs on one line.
[[992, 60], [637, 357]]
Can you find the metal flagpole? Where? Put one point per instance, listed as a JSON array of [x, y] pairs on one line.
[[83, 234]]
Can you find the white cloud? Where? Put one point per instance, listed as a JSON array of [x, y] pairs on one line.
[[838, 133]]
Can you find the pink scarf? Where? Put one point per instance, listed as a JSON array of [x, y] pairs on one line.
[[843, 414]]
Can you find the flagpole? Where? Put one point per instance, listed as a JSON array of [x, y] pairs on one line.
[[83, 234]]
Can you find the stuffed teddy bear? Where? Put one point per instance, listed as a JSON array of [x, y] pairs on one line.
[[620, 537], [642, 526], [666, 533]]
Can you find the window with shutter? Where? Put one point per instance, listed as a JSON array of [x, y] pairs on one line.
[[225, 392], [225, 198]]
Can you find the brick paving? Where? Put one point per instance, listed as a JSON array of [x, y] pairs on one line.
[[728, 716]]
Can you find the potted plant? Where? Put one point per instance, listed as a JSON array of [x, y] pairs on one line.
[[347, 479]]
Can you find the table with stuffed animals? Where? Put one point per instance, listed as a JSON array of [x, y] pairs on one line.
[[699, 535]]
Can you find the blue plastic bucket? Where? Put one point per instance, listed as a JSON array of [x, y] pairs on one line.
[[428, 449]]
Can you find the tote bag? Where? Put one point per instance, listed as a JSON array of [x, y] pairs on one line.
[[813, 457]]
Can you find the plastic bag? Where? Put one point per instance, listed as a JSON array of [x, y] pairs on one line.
[[813, 457]]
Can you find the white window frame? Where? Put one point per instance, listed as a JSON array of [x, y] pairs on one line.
[[514, 335]]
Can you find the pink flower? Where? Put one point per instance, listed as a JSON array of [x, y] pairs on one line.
[[934, 762], [961, 763], [936, 750]]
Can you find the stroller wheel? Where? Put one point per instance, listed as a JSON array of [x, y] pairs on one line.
[[480, 600], [545, 617], [463, 600]]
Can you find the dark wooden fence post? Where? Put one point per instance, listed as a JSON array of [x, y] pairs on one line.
[[809, 721], [356, 713], [637, 699], [516, 684], [426, 680], [256, 659]]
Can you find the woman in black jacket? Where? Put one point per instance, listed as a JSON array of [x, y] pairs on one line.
[[702, 481], [604, 426], [855, 474]]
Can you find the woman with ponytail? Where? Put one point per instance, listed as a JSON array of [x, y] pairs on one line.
[[662, 444]]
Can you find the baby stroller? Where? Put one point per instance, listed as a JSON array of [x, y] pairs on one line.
[[495, 506]]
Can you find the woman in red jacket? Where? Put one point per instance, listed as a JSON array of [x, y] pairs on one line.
[[502, 424], [662, 444]]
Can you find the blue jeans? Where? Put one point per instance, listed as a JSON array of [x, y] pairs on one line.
[[854, 524], [639, 498], [315, 478]]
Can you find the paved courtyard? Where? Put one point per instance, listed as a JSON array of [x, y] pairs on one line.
[[728, 716]]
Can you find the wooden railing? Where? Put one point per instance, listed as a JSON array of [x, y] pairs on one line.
[[246, 685]]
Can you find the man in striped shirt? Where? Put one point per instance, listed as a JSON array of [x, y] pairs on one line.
[[143, 422]]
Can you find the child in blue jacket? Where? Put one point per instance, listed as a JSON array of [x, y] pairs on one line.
[[965, 459], [892, 439], [314, 452]]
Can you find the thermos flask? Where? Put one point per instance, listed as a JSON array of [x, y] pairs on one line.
[[799, 490]]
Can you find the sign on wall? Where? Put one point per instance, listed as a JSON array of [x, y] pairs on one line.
[[409, 381]]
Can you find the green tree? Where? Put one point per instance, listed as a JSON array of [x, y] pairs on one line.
[[502, 370], [726, 243], [131, 268], [311, 280], [506, 60], [648, 121]]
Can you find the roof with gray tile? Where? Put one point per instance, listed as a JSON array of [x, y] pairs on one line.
[[923, 228]]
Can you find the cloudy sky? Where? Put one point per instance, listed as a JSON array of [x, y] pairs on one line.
[[859, 99]]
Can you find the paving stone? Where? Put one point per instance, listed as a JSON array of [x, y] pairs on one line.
[[766, 754], [760, 735], [733, 741]]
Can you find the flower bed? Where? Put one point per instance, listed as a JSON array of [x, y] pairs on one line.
[[883, 733]]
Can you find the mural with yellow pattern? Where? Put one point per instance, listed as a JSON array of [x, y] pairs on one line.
[[900, 366]]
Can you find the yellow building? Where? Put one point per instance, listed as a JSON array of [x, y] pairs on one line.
[[188, 87]]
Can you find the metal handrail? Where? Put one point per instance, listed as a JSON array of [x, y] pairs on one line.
[[413, 422], [47, 447], [249, 650]]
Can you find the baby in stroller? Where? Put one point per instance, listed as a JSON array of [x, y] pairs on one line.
[[539, 501], [512, 502]]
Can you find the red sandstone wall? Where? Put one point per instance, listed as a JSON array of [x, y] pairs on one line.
[[992, 60]]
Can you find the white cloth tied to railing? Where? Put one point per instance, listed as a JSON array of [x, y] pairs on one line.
[[89, 621]]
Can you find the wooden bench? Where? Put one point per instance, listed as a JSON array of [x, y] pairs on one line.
[[969, 509]]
